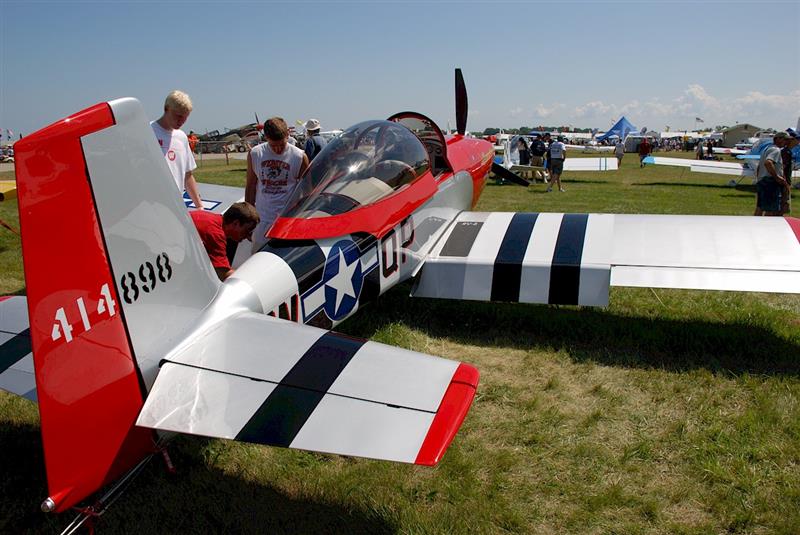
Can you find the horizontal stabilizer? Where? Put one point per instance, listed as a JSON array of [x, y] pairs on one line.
[[268, 381], [575, 258], [16, 360]]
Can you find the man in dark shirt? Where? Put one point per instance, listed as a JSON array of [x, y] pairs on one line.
[[547, 141], [538, 150], [644, 151], [314, 142], [236, 224]]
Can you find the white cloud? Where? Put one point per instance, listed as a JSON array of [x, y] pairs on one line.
[[678, 110], [777, 102], [695, 101], [697, 93], [543, 111], [595, 108]]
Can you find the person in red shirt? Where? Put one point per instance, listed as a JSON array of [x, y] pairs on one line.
[[236, 224], [645, 148], [193, 139]]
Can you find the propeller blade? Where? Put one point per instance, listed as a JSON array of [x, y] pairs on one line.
[[461, 103], [505, 174]]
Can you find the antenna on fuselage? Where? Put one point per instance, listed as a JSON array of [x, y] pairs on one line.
[[461, 103]]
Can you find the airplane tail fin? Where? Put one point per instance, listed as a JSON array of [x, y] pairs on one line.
[[594, 133], [112, 263]]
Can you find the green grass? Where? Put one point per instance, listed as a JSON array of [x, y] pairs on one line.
[[668, 412]]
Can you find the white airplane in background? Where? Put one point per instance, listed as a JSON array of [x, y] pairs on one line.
[[747, 167], [592, 145], [511, 160]]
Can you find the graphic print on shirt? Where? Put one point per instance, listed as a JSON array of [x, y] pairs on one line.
[[274, 177]]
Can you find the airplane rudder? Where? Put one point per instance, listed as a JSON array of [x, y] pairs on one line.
[[88, 385]]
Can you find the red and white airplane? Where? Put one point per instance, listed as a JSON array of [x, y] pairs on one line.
[[133, 337]]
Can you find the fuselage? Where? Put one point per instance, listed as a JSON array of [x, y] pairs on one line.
[[342, 262]]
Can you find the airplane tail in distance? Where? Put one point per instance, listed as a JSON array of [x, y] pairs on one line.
[[109, 253], [594, 133]]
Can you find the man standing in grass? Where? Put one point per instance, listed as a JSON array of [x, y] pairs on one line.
[[175, 145], [619, 151], [771, 185], [537, 156], [558, 153], [644, 151]]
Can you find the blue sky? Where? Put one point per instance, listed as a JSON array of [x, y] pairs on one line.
[[525, 63]]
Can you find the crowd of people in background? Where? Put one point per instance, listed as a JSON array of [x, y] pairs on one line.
[[275, 167]]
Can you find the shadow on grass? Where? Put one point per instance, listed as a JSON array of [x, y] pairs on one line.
[[589, 334], [199, 499], [583, 181], [740, 187]]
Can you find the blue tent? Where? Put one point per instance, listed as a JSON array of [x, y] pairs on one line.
[[622, 128]]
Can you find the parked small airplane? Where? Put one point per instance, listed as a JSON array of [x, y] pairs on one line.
[[747, 167], [235, 139], [510, 160], [592, 145], [134, 337]]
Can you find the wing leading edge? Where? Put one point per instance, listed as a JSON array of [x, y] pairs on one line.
[[268, 381], [574, 258]]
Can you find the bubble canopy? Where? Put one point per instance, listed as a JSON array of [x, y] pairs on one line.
[[368, 162]]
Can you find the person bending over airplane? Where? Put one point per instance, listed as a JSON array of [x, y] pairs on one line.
[[273, 170], [236, 224], [175, 145]]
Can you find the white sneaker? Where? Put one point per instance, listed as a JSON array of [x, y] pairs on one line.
[[562, 190]]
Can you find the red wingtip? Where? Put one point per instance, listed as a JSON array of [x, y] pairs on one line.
[[452, 411], [794, 224]]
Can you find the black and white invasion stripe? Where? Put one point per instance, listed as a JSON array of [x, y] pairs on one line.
[[281, 416], [522, 257]]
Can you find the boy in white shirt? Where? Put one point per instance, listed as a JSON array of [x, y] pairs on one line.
[[175, 145]]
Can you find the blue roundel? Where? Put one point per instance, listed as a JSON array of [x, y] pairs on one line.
[[342, 279]]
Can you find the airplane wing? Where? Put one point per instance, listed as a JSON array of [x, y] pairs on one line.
[[215, 198], [708, 166], [269, 381], [16, 359], [575, 164], [575, 258], [725, 150]]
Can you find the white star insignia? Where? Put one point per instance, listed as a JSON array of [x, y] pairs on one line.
[[342, 282]]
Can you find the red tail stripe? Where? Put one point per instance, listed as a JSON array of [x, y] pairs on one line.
[[794, 224], [451, 414]]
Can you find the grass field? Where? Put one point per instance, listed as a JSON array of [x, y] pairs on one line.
[[667, 412]]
